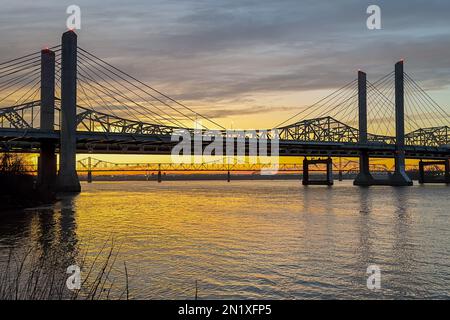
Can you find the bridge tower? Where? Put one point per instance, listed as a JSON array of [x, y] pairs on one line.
[[400, 178], [47, 158], [67, 178], [364, 178]]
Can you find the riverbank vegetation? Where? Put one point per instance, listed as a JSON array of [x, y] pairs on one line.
[[17, 185], [57, 273]]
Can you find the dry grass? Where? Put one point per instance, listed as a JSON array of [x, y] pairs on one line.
[[36, 274]]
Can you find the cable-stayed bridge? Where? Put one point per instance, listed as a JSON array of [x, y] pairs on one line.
[[67, 100]]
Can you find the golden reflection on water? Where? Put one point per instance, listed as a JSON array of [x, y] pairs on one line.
[[255, 239]]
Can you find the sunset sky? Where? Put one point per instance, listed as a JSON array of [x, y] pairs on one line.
[[246, 64]]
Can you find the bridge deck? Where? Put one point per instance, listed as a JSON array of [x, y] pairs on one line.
[[28, 141]]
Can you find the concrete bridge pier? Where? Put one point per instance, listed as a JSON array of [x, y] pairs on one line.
[[89, 176], [47, 167], [400, 178], [67, 178], [89, 173], [364, 177], [47, 157], [340, 178], [445, 179], [329, 175], [159, 174], [447, 171], [329, 180]]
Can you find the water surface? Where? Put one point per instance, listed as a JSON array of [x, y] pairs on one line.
[[253, 239]]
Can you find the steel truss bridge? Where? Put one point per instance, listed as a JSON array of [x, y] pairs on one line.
[[102, 133], [347, 167], [72, 101], [90, 167], [91, 164]]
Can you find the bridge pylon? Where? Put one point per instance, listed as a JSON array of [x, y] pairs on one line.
[[400, 178], [364, 178], [47, 157], [67, 178]]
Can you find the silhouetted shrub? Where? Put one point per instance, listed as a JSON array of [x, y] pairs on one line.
[[16, 185]]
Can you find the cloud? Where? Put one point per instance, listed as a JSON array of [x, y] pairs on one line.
[[217, 51]]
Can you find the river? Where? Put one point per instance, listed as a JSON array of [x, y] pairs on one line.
[[253, 239]]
